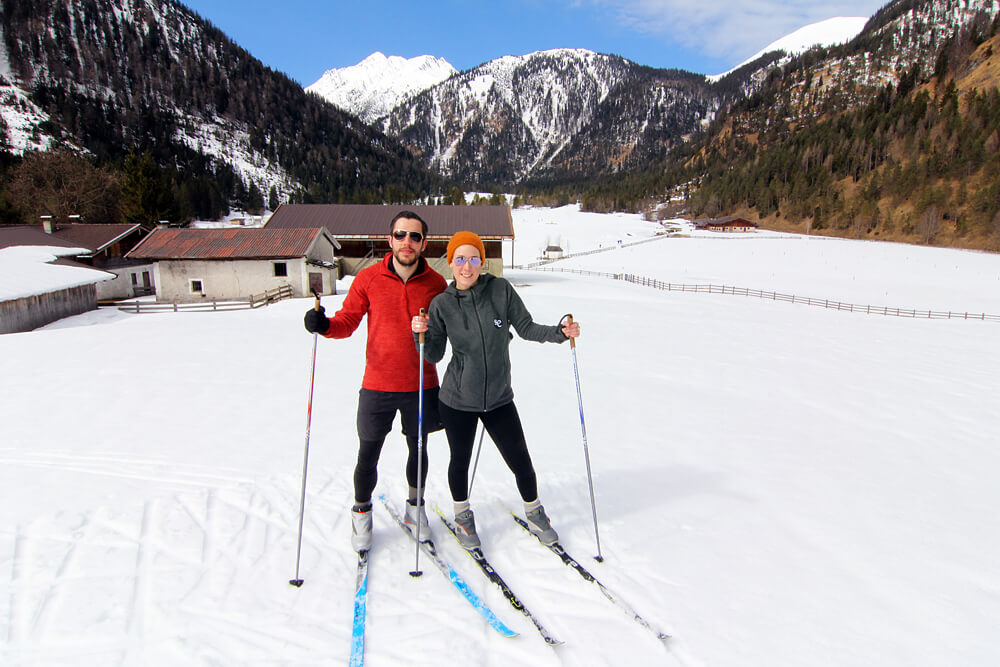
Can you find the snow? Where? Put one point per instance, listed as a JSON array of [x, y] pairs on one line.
[[231, 143], [25, 271], [20, 115], [377, 84], [829, 32], [776, 484]]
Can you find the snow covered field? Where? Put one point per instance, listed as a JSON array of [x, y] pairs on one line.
[[776, 484]]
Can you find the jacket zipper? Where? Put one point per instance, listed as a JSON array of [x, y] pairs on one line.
[[482, 336]]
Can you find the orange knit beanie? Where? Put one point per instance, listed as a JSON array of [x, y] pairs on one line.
[[466, 238]]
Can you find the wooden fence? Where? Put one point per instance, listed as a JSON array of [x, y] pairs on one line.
[[270, 296], [215, 305], [778, 296]]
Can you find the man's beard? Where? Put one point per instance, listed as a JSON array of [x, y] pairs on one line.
[[403, 262]]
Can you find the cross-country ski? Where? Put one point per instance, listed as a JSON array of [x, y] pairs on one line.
[[494, 577], [360, 612], [427, 546], [558, 550]]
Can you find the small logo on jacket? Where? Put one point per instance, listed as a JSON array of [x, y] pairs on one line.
[[498, 324]]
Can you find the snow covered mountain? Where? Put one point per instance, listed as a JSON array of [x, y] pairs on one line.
[[550, 114], [107, 76], [377, 84], [832, 31]]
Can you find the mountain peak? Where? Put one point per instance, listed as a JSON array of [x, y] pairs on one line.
[[836, 30], [378, 83]]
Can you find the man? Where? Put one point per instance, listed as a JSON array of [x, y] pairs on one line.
[[390, 293]]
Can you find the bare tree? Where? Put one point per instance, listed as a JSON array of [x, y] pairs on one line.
[[929, 224], [60, 183]]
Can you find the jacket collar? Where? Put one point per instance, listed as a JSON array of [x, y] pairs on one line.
[[389, 269]]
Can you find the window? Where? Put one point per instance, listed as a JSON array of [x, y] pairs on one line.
[[280, 269], [135, 279], [196, 287]]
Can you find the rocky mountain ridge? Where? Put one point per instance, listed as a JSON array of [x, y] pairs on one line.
[[376, 85]]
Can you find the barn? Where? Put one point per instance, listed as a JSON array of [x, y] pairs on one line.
[[39, 284], [363, 230], [193, 265], [730, 224]]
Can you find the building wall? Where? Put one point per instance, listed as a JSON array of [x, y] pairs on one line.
[[36, 311], [234, 279], [436, 254], [122, 287]]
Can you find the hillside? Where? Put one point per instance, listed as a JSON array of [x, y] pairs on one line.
[[109, 77], [892, 136]]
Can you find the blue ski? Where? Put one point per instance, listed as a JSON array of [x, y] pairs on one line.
[[449, 572], [360, 602], [491, 574]]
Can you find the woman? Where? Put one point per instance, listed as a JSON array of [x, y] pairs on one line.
[[476, 313]]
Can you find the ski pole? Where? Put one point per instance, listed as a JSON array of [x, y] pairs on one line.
[[297, 582], [475, 465], [586, 453], [420, 447]]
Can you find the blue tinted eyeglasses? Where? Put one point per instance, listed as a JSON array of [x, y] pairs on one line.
[[474, 262], [399, 235]]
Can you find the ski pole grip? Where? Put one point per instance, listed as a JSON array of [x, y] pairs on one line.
[[316, 294], [423, 313], [569, 321]]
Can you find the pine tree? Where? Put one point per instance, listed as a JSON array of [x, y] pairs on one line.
[[147, 198]]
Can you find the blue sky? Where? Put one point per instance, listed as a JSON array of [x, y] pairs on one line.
[[304, 38]]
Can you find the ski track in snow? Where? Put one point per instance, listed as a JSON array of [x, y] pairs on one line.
[[176, 581]]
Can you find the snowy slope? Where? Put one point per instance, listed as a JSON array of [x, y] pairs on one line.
[[19, 114], [776, 484], [832, 31], [377, 84]]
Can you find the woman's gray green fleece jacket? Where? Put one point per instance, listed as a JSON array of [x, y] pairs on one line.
[[477, 321]]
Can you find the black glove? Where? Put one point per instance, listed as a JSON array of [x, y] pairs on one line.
[[316, 322]]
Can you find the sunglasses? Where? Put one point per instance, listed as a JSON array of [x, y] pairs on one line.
[[474, 262], [401, 235]]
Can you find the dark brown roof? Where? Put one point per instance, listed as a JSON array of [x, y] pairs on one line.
[[372, 221], [226, 244], [30, 235], [96, 237]]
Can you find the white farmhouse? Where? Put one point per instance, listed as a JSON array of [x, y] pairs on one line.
[[193, 265]]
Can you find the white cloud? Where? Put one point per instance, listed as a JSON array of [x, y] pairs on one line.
[[729, 29]]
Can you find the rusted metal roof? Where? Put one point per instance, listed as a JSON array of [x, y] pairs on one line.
[[372, 221], [227, 244]]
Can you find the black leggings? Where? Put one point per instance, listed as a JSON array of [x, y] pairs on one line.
[[366, 470], [504, 426], [376, 412]]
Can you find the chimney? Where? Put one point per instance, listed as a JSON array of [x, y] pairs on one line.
[[48, 224]]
